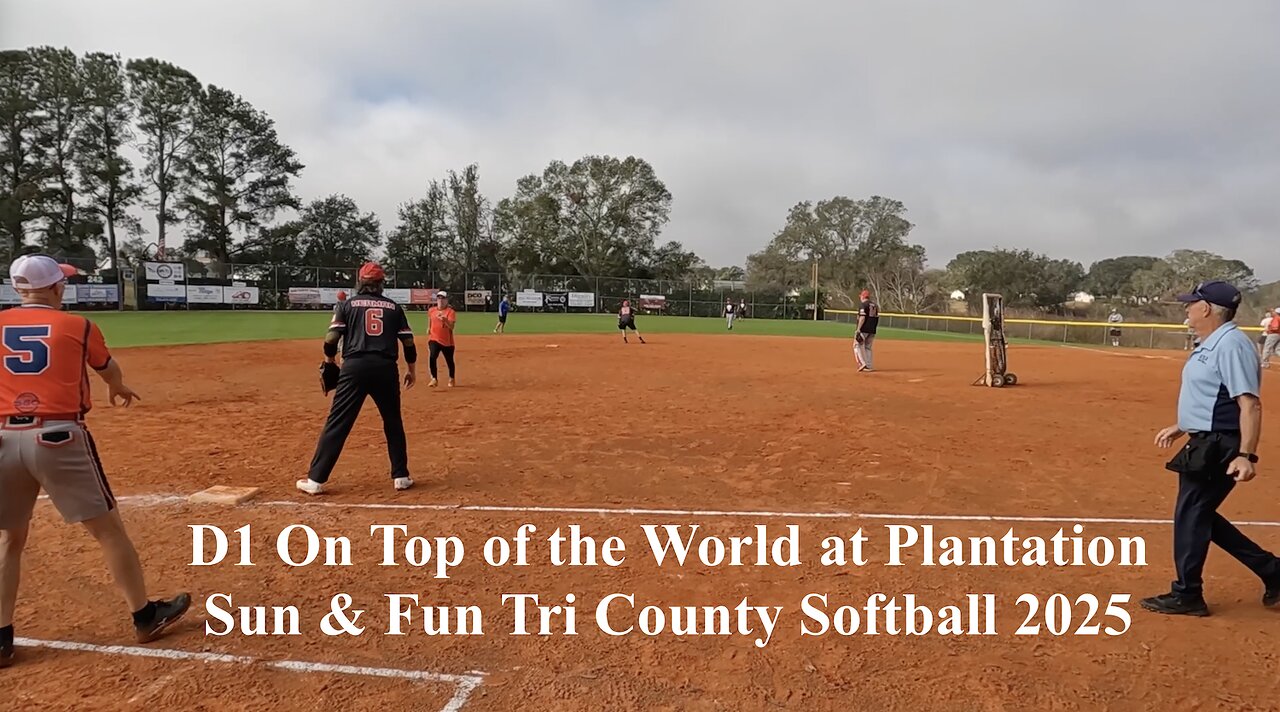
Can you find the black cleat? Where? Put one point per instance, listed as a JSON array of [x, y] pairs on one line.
[[167, 613], [1270, 597], [7, 653], [1175, 605]]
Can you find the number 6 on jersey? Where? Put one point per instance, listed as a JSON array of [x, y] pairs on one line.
[[373, 322]]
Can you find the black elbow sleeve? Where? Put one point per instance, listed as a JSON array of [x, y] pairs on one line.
[[410, 353], [330, 350]]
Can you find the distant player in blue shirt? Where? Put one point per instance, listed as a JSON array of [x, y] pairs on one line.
[[504, 307]]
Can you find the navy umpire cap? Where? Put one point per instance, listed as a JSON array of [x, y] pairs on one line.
[[1219, 293]]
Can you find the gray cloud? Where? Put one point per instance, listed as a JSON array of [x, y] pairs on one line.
[[1081, 129]]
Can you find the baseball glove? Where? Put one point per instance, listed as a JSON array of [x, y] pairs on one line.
[[328, 376]]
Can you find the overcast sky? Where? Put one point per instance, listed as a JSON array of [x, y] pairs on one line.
[[1083, 129]]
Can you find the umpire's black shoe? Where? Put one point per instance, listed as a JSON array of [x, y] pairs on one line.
[[162, 615], [1271, 596], [1175, 605]]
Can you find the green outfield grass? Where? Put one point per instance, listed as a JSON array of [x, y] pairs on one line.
[[124, 329]]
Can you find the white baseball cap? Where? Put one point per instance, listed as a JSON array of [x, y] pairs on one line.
[[441, 294], [38, 272]]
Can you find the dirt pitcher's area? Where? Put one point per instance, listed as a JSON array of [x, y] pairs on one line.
[[684, 423]]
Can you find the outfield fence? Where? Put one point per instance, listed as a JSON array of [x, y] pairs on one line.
[[1098, 333], [195, 286]]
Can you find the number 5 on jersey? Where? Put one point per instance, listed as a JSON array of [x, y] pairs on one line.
[[373, 322], [27, 349]]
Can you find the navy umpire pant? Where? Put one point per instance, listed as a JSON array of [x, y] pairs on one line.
[[1203, 485], [362, 377]]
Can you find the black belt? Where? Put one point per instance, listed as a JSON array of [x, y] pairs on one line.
[[34, 421]]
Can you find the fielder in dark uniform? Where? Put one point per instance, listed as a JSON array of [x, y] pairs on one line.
[[627, 320], [868, 322], [372, 329]]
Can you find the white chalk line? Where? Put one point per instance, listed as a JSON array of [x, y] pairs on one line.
[[143, 500], [159, 500], [464, 685], [1105, 352]]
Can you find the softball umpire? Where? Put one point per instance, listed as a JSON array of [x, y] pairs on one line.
[[1220, 409], [371, 328]]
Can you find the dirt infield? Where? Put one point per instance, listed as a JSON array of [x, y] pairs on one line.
[[730, 424]]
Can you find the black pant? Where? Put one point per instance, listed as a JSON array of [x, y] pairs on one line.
[[435, 348], [1202, 488], [361, 377]]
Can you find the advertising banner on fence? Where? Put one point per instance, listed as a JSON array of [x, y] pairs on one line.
[[399, 296], [165, 271], [582, 299], [529, 299], [166, 293], [478, 297], [422, 296], [556, 300], [316, 296], [653, 301], [240, 295], [305, 295], [204, 293], [74, 294], [97, 293]]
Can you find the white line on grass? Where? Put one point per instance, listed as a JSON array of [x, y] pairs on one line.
[[464, 685]]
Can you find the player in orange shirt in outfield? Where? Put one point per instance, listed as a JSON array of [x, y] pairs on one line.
[[45, 357], [440, 322]]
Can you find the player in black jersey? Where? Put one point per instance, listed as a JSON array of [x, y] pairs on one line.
[[372, 329], [868, 322]]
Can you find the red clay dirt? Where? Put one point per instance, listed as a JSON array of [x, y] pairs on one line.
[[685, 423]]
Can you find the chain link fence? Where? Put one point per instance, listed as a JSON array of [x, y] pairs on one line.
[[1147, 336], [274, 282]]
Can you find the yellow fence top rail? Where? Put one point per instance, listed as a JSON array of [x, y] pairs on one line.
[[1043, 322]]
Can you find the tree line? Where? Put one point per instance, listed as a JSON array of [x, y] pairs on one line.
[[88, 143], [864, 244], [110, 160], [90, 140]]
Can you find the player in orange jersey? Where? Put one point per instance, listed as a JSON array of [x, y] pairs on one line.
[[441, 320], [45, 357]]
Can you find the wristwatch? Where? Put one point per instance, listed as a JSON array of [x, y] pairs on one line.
[[1250, 457]]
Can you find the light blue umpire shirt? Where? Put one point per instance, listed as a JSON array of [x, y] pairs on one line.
[[1222, 368]]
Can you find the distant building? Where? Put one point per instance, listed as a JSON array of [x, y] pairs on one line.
[[1082, 298], [957, 295]]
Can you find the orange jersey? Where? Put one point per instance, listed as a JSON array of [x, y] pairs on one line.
[[437, 331], [45, 357]]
